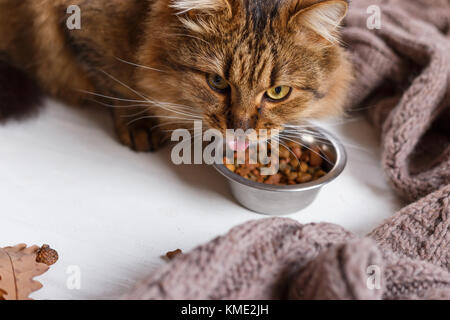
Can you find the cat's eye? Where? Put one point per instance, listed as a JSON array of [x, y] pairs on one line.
[[278, 93], [217, 83]]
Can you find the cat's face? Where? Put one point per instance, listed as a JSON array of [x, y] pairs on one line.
[[244, 63]]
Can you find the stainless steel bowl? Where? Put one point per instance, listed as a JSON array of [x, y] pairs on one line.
[[282, 200]]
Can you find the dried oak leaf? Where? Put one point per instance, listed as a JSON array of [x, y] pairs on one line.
[[19, 265]]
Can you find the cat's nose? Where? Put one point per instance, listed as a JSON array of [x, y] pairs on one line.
[[242, 114], [240, 123]]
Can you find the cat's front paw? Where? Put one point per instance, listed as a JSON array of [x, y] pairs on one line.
[[140, 136]]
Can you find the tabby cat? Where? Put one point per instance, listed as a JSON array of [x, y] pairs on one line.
[[161, 64]]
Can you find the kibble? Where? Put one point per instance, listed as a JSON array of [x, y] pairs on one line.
[[297, 165], [314, 157], [303, 167], [172, 254]]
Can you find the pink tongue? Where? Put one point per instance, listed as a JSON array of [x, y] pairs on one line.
[[238, 146]]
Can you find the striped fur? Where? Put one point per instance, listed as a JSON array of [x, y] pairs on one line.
[[183, 6], [323, 18], [263, 43], [164, 49]]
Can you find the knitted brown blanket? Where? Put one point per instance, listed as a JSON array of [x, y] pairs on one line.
[[403, 81]]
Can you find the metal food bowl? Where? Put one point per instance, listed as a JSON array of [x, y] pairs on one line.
[[282, 200]]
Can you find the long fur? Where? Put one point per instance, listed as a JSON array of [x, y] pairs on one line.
[[158, 54], [19, 93], [324, 18], [183, 6]]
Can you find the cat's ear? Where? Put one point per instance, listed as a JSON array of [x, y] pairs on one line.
[[324, 18], [193, 7]]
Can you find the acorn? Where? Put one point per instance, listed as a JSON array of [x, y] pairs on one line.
[[46, 255]]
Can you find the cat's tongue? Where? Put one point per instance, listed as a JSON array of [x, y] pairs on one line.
[[238, 145]]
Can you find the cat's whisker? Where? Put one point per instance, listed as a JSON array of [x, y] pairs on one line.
[[144, 97], [192, 138], [194, 116], [158, 117], [125, 85], [110, 97], [297, 134], [143, 105], [171, 107], [171, 123], [289, 149], [323, 140], [284, 145], [173, 130], [176, 108], [278, 137], [177, 105], [190, 36], [139, 65], [307, 147], [147, 106], [326, 123], [134, 114]]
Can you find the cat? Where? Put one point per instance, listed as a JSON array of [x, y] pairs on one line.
[[158, 65]]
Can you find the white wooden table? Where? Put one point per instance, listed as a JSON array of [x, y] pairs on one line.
[[111, 213]]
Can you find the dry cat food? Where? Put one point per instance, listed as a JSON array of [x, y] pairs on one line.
[[297, 165], [172, 254]]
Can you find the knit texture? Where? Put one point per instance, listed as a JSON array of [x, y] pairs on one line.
[[279, 258], [403, 83], [402, 77]]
